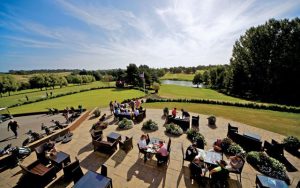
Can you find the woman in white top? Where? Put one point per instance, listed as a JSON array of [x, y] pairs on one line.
[[142, 142]]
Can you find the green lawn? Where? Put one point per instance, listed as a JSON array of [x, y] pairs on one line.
[[179, 76], [89, 100], [175, 91], [280, 122], [34, 94]]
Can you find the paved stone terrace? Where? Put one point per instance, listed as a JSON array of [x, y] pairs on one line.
[[129, 170]]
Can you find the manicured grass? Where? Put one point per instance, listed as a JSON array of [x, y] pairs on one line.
[[280, 122], [88, 99], [179, 76], [175, 92], [36, 94]]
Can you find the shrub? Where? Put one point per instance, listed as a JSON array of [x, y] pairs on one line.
[[212, 120], [291, 143], [226, 142], [97, 112], [166, 111], [173, 129], [125, 124], [234, 149], [194, 135], [150, 125], [267, 165]]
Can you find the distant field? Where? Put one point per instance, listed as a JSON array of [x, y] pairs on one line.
[[280, 122], [179, 76], [27, 76], [34, 94], [89, 100], [175, 92]]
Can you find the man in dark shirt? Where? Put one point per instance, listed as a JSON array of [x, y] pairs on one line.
[[13, 125], [185, 113]]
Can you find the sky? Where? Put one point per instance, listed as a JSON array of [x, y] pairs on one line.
[[108, 34]]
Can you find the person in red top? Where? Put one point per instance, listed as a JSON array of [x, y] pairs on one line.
[[174, 112], [161, 153]]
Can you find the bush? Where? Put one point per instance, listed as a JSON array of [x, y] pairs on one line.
[[125, 124], [291, 143], [173, 129], [267, 165], [150, 125], [226, 142], [234, 149], [194, 135], [97, 112], [212, 120], [166, 111]]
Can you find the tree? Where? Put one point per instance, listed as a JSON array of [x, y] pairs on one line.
[[132, 77], [37, 81], [197, 79], [156, 87], [8, 84]]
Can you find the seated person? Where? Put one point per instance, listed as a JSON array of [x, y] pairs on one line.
[[102, 118], [162, 152], [127, 113], [235, 163], [174, 112], [143, 146], [184, 114], [197, 168], [218, 145], [219, 173], [50, 148], [191, 152], [136, 112], [117, 111]]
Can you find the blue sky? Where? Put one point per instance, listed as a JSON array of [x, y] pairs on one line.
[[57, 34]]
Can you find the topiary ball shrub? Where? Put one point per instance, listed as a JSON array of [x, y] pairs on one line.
[[212, 120], [97, 113], [226, 142], [150, 125], [174, 129], [268, 165], [234, 149], [125, 124], [194, 135], [291, 143]]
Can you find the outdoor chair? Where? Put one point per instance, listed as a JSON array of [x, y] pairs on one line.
[[239, 171], [69, 168], [195, 121], [169, 145], [127, 144], [77, 174], [220, 178], [105, 146], [103, 170], [41, 153], [200, 143], [38, 173], [231, 129]]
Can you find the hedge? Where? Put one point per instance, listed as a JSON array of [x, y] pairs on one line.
[[280, 108]]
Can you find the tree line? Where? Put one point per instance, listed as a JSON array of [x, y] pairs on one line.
[[265, 64]]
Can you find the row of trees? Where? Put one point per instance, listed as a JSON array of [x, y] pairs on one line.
[[265, 64]]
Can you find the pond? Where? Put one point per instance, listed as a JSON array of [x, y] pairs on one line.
[[180, 83]]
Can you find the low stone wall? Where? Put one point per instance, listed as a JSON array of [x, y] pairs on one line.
[[60, 132]]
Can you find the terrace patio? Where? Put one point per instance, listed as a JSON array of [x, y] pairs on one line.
[[128, 170]]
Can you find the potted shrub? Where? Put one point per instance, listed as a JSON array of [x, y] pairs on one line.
[[226, 142], [291, 144], [150, 125], [267, 165], [195, 136], [173, 129], [212, 120], [125, 124], [97, 112], [166, 111], [234, 149]]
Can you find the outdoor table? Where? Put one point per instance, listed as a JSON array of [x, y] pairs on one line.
[[210, 157], [59, 159], [252, 135], [93, 180], [113, 137], [152, 146], [267, 182]]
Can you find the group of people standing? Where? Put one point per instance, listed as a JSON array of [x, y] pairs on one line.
[[185, 114], [117, 108]]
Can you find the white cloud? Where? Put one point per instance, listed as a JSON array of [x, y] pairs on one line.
[[186, 33]]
